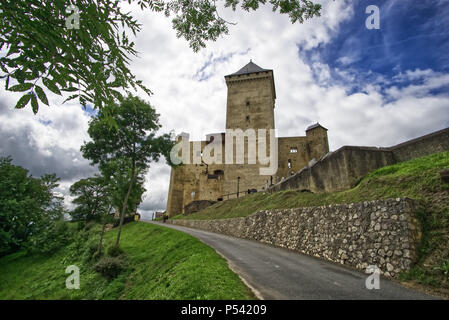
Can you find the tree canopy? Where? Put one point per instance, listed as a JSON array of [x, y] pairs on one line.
[[81, 48], [129, 149], [92, 198], [28, 205]]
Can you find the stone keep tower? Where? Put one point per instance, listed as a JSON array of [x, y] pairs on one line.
[[251, 97], [250, 105]]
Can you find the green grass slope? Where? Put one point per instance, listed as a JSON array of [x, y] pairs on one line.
[[418, 179], [163, 264]]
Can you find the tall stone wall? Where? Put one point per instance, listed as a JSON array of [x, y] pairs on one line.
[[343, 169], [384, 233], [431, 143], [338, 171]]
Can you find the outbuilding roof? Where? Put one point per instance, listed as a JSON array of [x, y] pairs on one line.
[[316, 125]]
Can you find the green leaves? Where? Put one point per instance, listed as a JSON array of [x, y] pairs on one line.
[[21, 87], [41, 94], [51, 85], [34, 103], [23, 101], [41, 51], [27, 205], [31, 96]]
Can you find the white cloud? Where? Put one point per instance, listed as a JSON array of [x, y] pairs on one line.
[[190, 92]]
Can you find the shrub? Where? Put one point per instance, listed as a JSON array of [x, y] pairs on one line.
[[114, 251], [53, 237], [110, 267], [91, 250]]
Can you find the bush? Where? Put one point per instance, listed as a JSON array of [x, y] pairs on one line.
[[53, 237], [91, 250], [114, 251], [110, 267]]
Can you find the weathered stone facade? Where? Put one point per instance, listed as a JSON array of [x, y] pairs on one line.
[[343, 168], [250, 105], [384, 233]]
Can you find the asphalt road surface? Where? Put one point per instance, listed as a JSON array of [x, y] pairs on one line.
[[276, 273]]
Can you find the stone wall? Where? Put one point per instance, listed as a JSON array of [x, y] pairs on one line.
[[431, 143], [197, 205], [312, 146], [343, 169], [383, 232]]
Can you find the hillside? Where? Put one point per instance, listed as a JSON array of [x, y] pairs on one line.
[[163, 264], [418, 179]]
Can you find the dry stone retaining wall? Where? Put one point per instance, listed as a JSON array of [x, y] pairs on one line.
[[384, 233]]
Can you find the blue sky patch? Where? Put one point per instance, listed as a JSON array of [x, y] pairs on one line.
[[413, 35]]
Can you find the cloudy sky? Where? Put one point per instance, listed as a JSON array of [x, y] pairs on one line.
[[368, 87]]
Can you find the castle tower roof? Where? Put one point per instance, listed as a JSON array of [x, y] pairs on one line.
[[316, 125], [249, 68]]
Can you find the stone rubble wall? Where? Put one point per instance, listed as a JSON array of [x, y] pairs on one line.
[[384, 233]]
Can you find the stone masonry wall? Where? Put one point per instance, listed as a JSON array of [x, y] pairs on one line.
[[384, 233], [343, 168]]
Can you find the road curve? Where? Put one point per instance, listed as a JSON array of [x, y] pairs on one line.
[[276, 273]]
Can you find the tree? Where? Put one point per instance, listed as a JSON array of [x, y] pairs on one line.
[[117, 174], [92, 198], [46, 50], [28, 206], [133, 143]]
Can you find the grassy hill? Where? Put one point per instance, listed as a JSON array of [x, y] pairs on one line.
[[163, 264], [418, 179]]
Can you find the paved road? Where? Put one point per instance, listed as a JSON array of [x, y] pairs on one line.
[[276, 273]]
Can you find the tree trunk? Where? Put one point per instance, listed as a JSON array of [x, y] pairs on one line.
[[125, 203], [100, 244]]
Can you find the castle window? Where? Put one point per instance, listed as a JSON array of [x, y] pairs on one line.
[[247, 103], [289, 164], [293, 150], [247, 118]]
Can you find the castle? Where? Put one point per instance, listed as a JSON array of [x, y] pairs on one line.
[[250, 105]]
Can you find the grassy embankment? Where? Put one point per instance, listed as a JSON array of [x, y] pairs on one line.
[[418, 179], [163, 264]]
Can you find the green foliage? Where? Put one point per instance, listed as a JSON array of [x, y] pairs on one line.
[[28, 206], [118, 173], [162, 264], [110, 267], [90, 63], [93, 198], [133, 141], [82, 242], [198, 21], [114, 251], [124, 153], [91, 253], [50, 238], [444, 268]]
